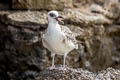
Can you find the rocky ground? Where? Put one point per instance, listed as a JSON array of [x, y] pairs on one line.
[[66, 73], [23, 57]]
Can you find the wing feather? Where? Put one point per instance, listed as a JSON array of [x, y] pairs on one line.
[[69, 36]]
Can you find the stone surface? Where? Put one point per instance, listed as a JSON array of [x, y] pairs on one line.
[[21, 53], [41, 4], [66, 73], [25, 19], [110, 9], [79, 18]]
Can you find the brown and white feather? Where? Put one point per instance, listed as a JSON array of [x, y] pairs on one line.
[[69, 36]]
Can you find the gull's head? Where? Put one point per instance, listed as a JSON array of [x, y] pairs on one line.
[[53, 17]]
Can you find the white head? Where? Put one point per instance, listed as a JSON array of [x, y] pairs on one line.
[[53, 17]]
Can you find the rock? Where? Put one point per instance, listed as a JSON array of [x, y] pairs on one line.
[[29, 22], [96, 8], [35, 18], [41, 4], [111, 9], [66, 73], [25, 19], [108, 74], [84, 19], [22, 54]]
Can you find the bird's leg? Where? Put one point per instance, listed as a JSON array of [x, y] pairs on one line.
[[53, 57], [65, 55]]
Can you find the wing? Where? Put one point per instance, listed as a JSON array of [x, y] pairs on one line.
[[45, 44], [69, 36]]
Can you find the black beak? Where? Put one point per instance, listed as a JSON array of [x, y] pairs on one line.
[[57, 18], [60, 17]]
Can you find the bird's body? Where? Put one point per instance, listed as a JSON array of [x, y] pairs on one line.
[[58, 39]]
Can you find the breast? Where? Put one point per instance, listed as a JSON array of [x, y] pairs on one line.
[[55, 41], [57, 46]]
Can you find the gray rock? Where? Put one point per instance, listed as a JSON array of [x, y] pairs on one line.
[[111, 9], [21, 53], [26, 19], [41, 4], [79, 18], [66, 73]]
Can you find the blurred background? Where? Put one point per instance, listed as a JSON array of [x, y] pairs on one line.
[[36, 4], [96, 24]]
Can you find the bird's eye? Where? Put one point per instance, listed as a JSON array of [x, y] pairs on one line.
[[52, 15]]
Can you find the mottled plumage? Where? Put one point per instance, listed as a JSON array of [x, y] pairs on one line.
[[69, 36]]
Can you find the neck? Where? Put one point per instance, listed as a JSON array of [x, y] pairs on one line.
[[51, 24], [54, 26]]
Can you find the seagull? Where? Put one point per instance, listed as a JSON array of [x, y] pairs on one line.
[[58, 39]]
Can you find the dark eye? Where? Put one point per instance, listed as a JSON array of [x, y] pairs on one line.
[[52, 15]]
